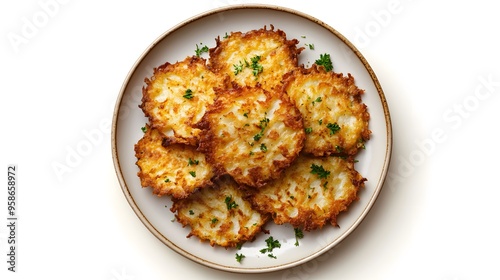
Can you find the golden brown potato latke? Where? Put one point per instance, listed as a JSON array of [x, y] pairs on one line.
[[260, 56], [311, 192], [335, 118], [220, 214], [251, 134], [177, 95], [170, 168]]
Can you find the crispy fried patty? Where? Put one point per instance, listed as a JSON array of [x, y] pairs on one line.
[[335, 119], [220, 214], [311, 192], [172, 168], [260, 56], [176, 96], [251, 134]]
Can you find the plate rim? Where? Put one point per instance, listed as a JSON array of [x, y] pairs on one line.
[[130, 199]]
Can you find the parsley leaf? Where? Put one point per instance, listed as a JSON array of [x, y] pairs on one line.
[[325, 61], [320, 171], [271, 244], [262, 124], [263, 147], [257, 136], [298, 235], [230, 203], [199, 51], [188, 94], [238, 68], [239, 257], [317, 100], [256, 67], [333, 127]]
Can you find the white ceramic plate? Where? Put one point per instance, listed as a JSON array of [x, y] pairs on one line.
[[180, 42]]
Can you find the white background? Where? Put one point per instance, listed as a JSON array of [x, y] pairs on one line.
[[436, 218]]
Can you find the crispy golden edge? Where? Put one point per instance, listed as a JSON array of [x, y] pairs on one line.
[[209, 142], [308, 219], [224, 186], [219, 65], [349, 90], [153, 146]]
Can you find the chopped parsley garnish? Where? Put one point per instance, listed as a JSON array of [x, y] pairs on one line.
[[191, 212], [263, 124], [311, 46], [238, 68], [230, 203], [257, 136], [325, 61], [214, 220], [308, 130], [298, 235], [199, 51], [271, 244], [256, 67], [144, 129], [317, 100], [333, 127], [188, 94], [263, 147], [239, 257], [191, 161], [320, 171], [193, 173], [167, 180]]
